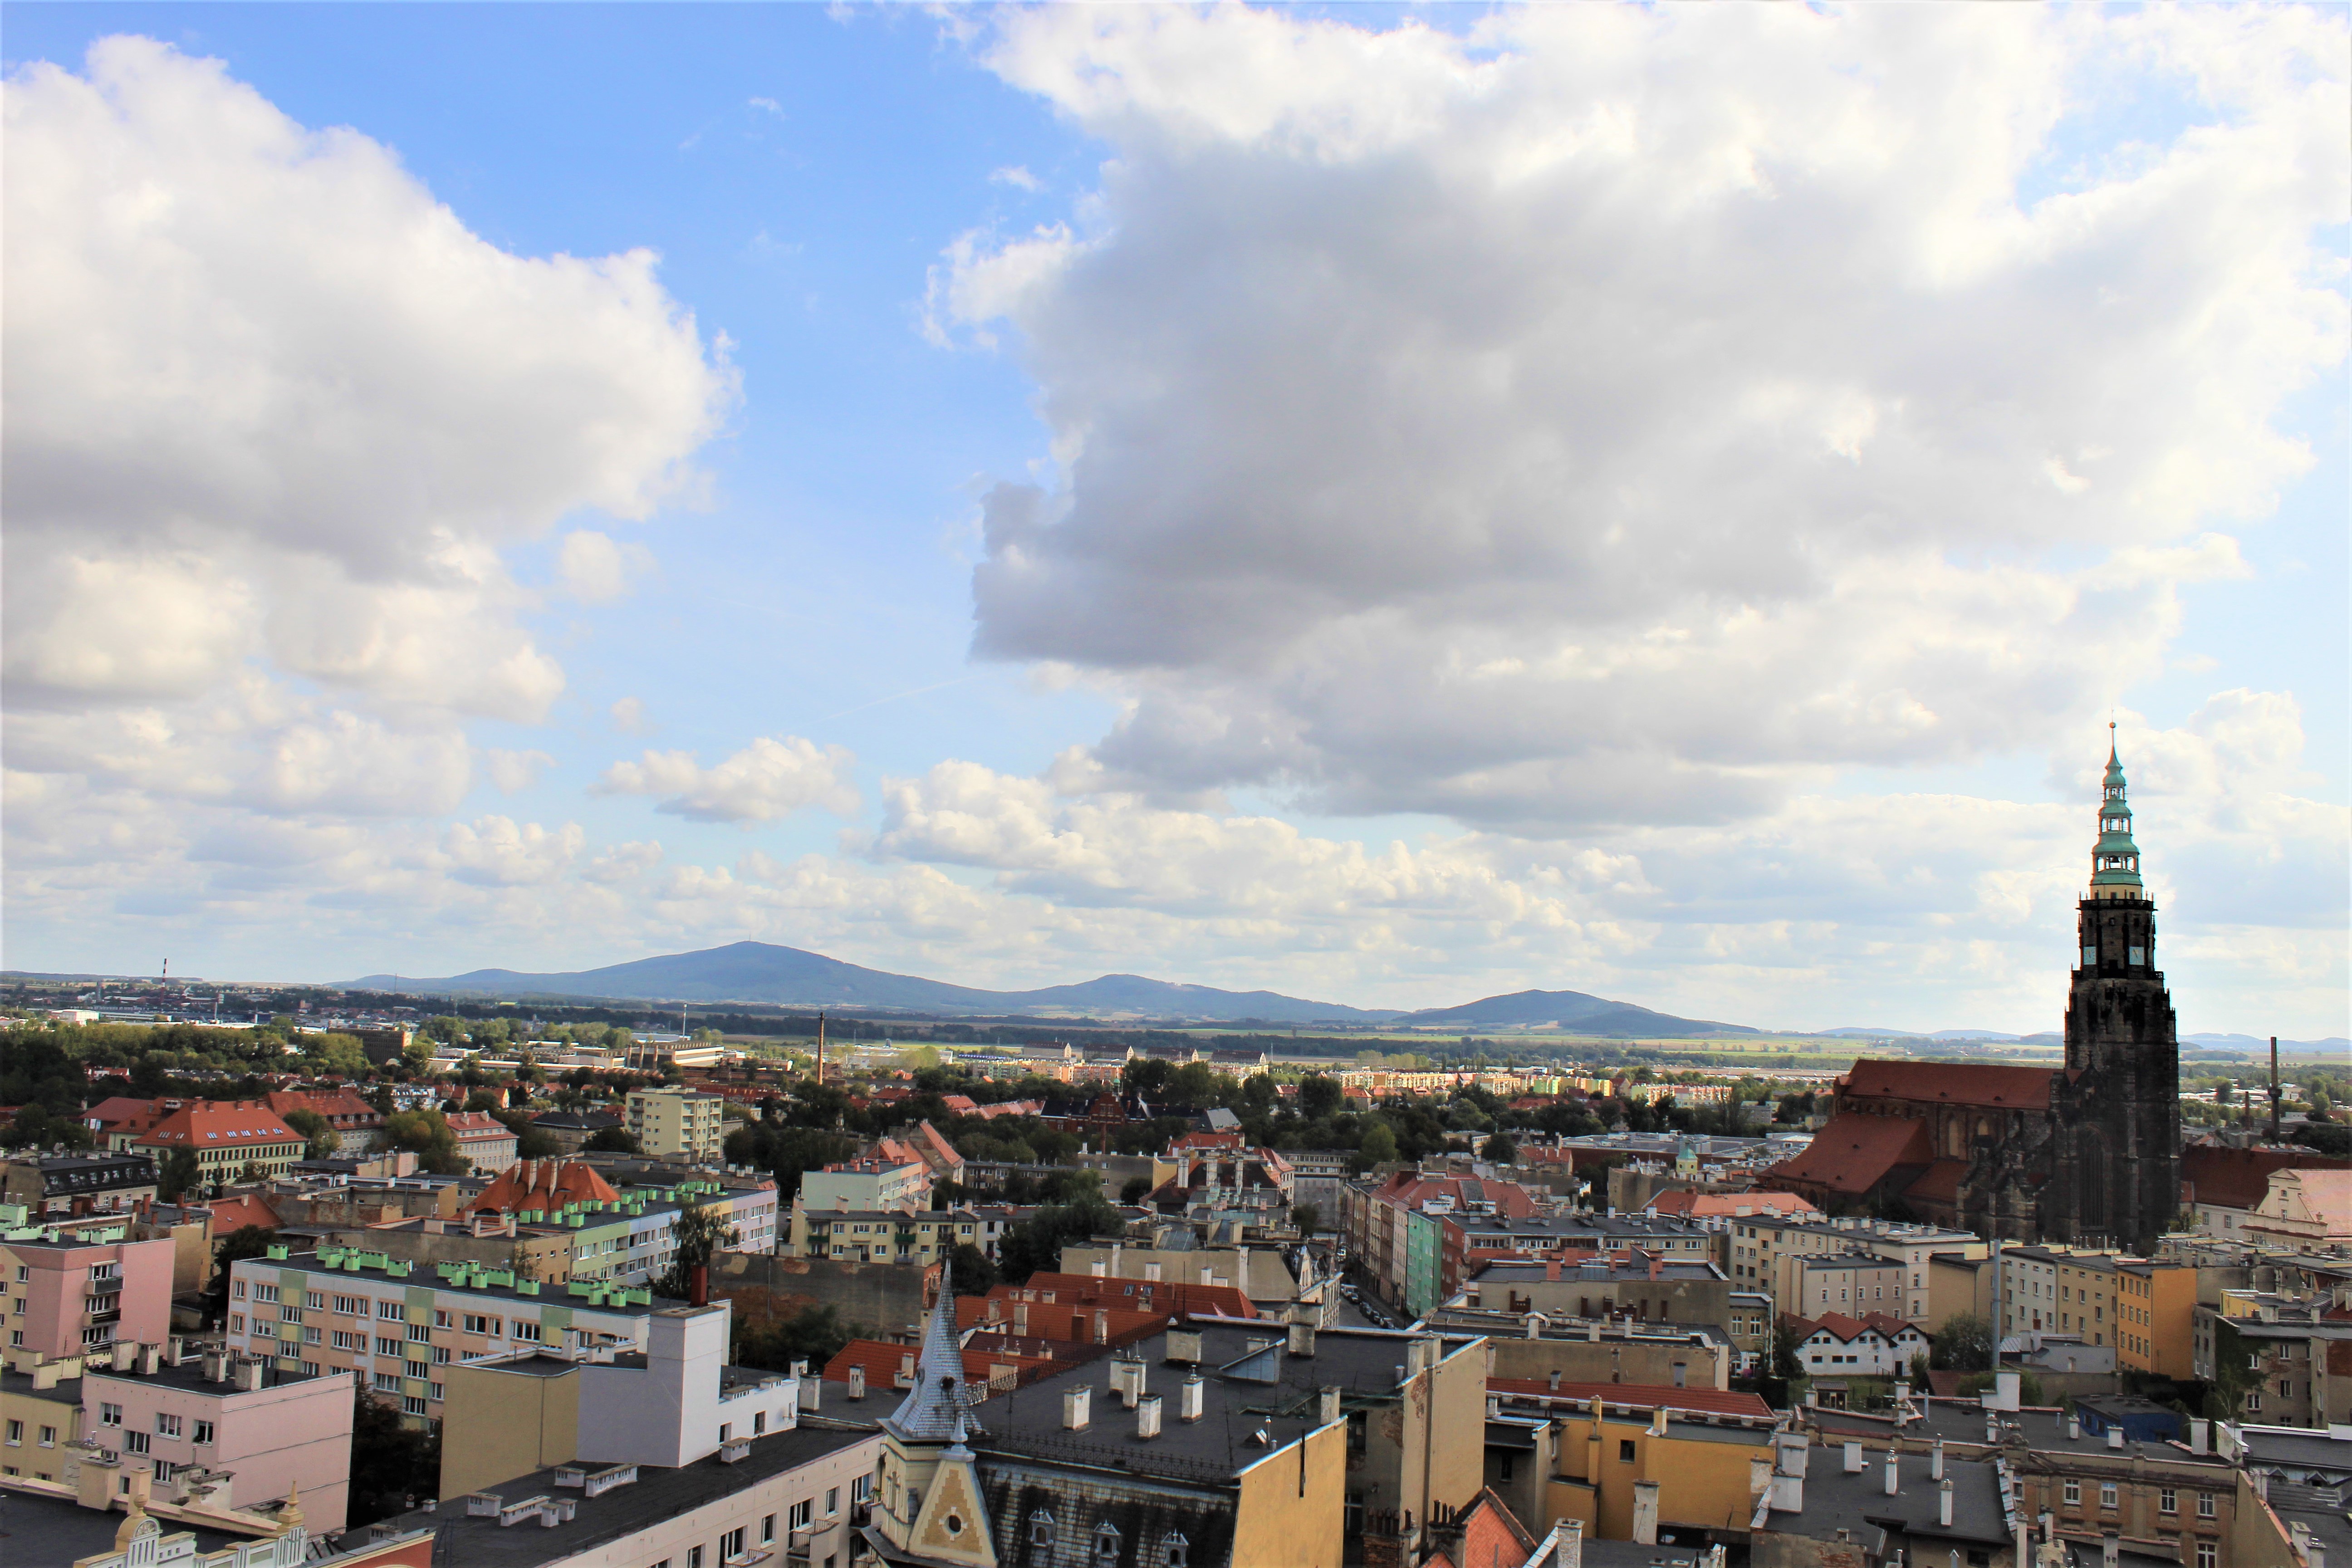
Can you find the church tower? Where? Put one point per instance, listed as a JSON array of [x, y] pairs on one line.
[[2117, 1174], [930, 1507]]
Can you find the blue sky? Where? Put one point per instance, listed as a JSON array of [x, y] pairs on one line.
[[1248, 723]]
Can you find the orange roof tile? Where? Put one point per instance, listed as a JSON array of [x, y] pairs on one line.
[[884, 1362], [1962, 1083], [218, 1125], [542, 1184], [1180, 1297], [1727, 1205], [1074, 1322], [236, 1212], [2237, 1178], [1854, 1152]]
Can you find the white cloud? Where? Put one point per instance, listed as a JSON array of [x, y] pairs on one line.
[[1613, 415], [1016, 176], [596, 570], [514, 772], [272, 414], [495, 851], [770, 778], [628, 716]]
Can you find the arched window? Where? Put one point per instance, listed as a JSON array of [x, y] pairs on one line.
[[1174, 1549], [1041, 1528], [1106, 1544]]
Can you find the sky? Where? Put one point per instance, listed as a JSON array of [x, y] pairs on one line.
[[1389, 506]]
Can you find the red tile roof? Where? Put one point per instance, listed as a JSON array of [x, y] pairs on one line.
[[342, 1108], [1638, 1395], [1961, 1083], [236, 1212], [1854, 1152], [218, 1125], [1490, 1535], [883, 1362], [1940, 1183], [2237, 1178], [1074, 1322], [542, 1184], [1710, 1204], [1179, 1298]]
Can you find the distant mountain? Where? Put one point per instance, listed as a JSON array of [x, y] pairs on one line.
[[2336, 1043], [1576, 1011], [1857, 1032], [763, 972]]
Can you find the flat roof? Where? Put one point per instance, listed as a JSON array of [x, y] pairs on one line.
[[37, 1529], [657, 1495], [1859, 1503], [1362, 1362], [549, 1296]]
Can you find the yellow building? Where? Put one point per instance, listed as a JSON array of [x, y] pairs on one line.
[[1627, 1473], [678, 1124], [41, 1416], [2156, 1316]]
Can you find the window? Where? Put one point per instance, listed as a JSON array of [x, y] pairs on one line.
[[2167, 1500], [236, 1324], [1106, 1544], [264, 1292], [801, 1513], [314, 1299], [767, 1529], [15, 1434], [2107, 1494], [349, 1305], [385, 1382], [726, 1431], [694, 1557], [389, 1311], [731, 1544], [386, 1345], [2074, 1493], [2253, 1401], [236, 1287], [2205, 1505], [411, 1406], [310, 1333], [110, 1415], [1174, 1548], [433, 1391], [48, 1437], [419, 1332], [418, 1369], [523, 1330], [1041, 1529], [440, 1318], [165, 1469], [167, 1425], [832, 1502], [441, 1355], [137, 1443], [204, 1439], [2208, 1554], [476, 1324], [1625, 1450]]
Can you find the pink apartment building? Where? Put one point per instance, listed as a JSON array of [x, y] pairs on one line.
[[65, 1297], [214, 1415]]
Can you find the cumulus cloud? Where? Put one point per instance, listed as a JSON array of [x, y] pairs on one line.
[[497, 851], [770, 778], [596, 570], [628, 716], [272, 411], [1613, 415]]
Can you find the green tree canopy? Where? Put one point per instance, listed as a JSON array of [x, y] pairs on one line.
[[319, 1134]]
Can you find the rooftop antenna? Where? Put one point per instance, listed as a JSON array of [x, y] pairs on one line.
[[2275, 1089]]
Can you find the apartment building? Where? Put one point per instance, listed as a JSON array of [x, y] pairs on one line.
[[55, 1186], [232, 1140], [1854, 1284], [227, 1432], [2287, 1358], [873, 1183], [2156, 1316], [400, 1327], [2059, 1289], [895, 1235], [485, 1143], [68, 1296], [1755, 1249], [678, 1124]]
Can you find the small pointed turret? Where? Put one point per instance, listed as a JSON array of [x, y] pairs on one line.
[[935, 1410], [2114, 860]]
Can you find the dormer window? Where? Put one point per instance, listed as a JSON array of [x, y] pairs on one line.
[[1105, 1545], [1041, 1529]]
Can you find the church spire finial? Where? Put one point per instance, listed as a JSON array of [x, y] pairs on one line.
[[2114, 860]]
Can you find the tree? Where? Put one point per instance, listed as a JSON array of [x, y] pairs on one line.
[[1786, 1363], [1500, 1149], [1134, 1190], [245, 1241], [531, 1142], [1036, 1243], [1320, 1097], [319, 1134], [182, 1173], [970, 1272], [1963, 1344], [698, 1232], [395, 1467], [1379, 1147], [612, 1140], [814, 1335], [36, 1127], [427, 1134], [1307, 1217]]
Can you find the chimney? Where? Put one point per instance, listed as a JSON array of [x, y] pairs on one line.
[[1102, 1327], [1893, 1476], [1302, 1340], [1853, 1458], [1646, 1513], [1020, 1318], [1936, 1462], [856, 1381], [216, 1365], [1658, 1422], [1944, 1506], [126, 1354], [1146, 1415], [1184, 1345], [1327, 1408], [2111, 1550], [2115, 1434], [1555, 1379], [1075, 1403], [1188, 1398], [1568, 1544], [1760, 1477], [2200, 1435], [1151, 1271], [2074, 1428], [247, 1375]]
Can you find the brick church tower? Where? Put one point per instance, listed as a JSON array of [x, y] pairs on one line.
[[2117, 1172]]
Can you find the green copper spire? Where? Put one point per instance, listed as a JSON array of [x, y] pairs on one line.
[[2115, 862]]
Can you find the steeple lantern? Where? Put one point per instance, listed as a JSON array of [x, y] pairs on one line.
[[2114, 859]]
